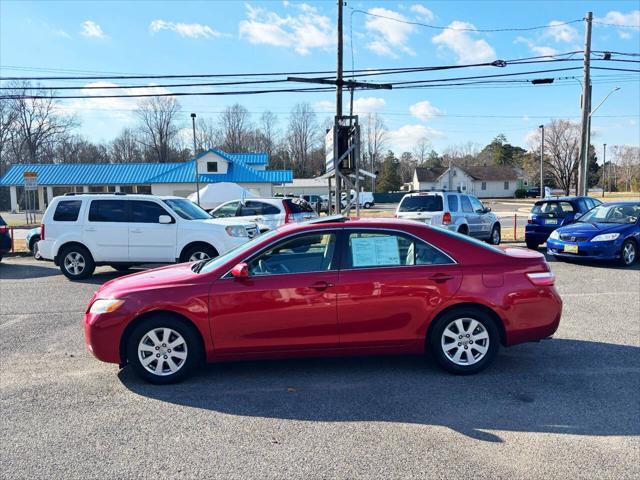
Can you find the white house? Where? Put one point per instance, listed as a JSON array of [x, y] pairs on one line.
[[482, 181]]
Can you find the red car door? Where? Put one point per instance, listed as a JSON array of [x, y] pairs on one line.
[[389, 284], [288, 302]]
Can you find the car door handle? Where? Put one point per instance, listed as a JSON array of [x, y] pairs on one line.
[[90, 229], [320, 286], [136, 230], [440, 277]]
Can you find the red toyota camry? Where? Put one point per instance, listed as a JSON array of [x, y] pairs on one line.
[[332, 287]]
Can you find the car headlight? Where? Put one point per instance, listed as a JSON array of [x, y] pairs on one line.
[[236, 231], [105, 305], [605, 237], [555, 235]]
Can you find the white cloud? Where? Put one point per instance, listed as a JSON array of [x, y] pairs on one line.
[[424, 110], [303, 32], [618, 18], [537, 49], [190, 30], [61, 33], [560, 32], [325, 106], [423, 12], [92, 29], [463, 44], [367, 105], [388, 36], [405, 138]]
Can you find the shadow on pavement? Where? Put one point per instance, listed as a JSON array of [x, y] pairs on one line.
[[610, 265], [558, 386]]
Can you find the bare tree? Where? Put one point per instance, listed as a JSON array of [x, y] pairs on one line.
[[158, 130], [561, 147], [208, 135], [302, 138], [235, 126], [421, 151], [374, 140], [627, 162], [7, 127], [125, 148], [267, 136]]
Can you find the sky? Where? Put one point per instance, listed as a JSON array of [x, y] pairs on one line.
[[205, 37]]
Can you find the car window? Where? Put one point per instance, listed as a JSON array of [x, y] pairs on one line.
[[146, 212], [186, 209], [421, 203], [250, 208], [298, 205], [554, 208], [476, 204], [388, 249], [466, 204], [612, 214], [301, 254], [452, 200], [108, 211], [67, 211], [228, 210]]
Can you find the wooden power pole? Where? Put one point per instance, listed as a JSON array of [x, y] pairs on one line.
[[583, 166]]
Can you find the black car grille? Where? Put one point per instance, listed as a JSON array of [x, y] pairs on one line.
[[567, 237]]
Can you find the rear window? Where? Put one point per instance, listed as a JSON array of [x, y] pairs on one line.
[[67, 211], [421, 203], [297, 205], [557, 208], [108, 211]]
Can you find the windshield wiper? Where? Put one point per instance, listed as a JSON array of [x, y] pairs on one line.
[[196, 267]]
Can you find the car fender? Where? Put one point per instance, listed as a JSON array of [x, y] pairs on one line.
[[213, 238], [460, 222], [68, 237]]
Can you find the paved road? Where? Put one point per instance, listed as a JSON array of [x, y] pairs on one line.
[[563, 408]]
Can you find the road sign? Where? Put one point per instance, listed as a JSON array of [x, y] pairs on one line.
[[30, 180], [328, 150]]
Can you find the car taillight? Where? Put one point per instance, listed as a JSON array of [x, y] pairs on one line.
[[3, 229], [42, 231], [287, 213], [530, 219], [542, 279], [446, 218]]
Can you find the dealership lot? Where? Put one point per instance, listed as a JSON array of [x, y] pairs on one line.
[[563, 407]]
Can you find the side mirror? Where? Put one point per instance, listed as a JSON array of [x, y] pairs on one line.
[[165, 219], [487, 209], [241, 270]]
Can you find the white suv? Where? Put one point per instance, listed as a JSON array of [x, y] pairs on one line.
[[268, 213], [81, 231]]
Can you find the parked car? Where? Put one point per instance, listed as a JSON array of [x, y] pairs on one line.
[[458, 212], [366, 199], [325, 201], [315, 201], [532, 192], [548, 214], [81, 231], [610, 231], [32, 239], [5, 238], [268, 213], [332, 286]]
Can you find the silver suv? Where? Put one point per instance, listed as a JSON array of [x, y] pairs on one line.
[[454, 211]]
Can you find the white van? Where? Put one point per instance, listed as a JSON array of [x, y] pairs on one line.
[[80, 231]]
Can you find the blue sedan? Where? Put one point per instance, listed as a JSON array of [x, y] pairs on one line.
[[610, 231]]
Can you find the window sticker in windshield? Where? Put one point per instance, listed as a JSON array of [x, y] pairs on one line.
[[375, 251]]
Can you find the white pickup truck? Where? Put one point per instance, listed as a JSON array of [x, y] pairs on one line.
[[80, 231]]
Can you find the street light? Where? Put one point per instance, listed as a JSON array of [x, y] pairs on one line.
[[604, 166], [541, 127], [193, 123]]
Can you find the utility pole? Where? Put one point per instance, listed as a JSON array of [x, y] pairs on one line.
[[193, 123], [541, 162], [586, 107], [604, 166], [336, 153]]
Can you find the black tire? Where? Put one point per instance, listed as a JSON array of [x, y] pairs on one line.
[[367, 205], [445, 359], [463, 230], [83, 269], [628, 253], [33, 244], [121, 268], [198, 250], [532, 245], [495, 237], [192, 348]]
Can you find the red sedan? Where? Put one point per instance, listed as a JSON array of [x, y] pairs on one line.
[[331, 287]]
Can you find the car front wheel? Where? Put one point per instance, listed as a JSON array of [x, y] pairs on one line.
[[163, 349], [495, 237], [199, 252], [76, 263], [629, 253], [464, 341]]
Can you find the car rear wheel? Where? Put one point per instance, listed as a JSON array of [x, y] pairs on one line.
[[629, 253], [367, 205], [33, 247], [163, 349], [464, 230], [464, 341], [76, 263], [532, 245], [495, 237]]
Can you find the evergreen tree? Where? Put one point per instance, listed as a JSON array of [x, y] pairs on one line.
[[389, 179]]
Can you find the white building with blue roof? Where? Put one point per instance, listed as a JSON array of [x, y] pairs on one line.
[[249, 170]]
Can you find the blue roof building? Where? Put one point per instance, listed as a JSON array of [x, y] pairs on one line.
[[214, 166]]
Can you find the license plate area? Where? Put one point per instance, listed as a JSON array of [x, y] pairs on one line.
[[550, 221], [571, 248]]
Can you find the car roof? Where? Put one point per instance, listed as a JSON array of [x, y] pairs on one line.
[[571, 198], [111, 196], [626, 202], [338, 221]]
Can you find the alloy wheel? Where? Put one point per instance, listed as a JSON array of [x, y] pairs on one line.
[[629, 253], [495, 236], [197, 256], [74, 263], [465, 341], [162, 351]]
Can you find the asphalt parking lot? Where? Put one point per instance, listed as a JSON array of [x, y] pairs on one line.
[[567, 407]]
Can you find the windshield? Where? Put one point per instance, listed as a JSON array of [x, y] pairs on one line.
[[214, 263], [186, 209], [619, 213], [421, 203]]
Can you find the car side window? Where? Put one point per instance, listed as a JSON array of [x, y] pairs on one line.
[[268, 209], [67, 211], [466, 204], [476, 204], [108, 211], [146, 212], [250, 208], [224, 211], [301, 254], [452, 200], [388, 249]]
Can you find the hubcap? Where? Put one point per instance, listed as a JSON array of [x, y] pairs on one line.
[[162, 351], [629, 253], [74, 263], [197, 256], [36, 252], [496, 237], [465, 341]]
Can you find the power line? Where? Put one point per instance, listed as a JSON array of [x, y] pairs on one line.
[[615, 24]]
